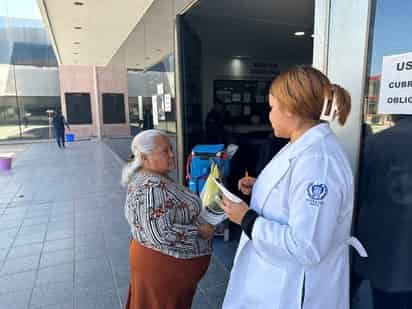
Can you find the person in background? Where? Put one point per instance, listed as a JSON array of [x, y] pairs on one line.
[[25, 121], [294, 249], [59, 124], [147, 117], [215, 124], [384, 221], [171, 245]]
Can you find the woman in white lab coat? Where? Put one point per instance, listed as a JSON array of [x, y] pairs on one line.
[[294, 249]]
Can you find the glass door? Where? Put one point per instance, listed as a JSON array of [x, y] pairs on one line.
[[191, 76], [384, 208]]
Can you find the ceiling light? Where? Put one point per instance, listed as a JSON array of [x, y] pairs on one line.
[[79, 3], [312, 35], [299, 33], [78, 28]]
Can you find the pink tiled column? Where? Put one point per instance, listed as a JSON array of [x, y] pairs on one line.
[[114, 80], [79, 79], [96, 81]]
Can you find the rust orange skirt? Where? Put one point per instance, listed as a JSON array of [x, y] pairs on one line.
[[159, 281]]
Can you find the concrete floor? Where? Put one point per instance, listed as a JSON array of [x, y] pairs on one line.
[[63, 237]]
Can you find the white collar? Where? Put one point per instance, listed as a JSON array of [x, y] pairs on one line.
[[308, 139]]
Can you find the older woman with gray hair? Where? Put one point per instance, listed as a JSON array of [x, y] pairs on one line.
[[171, 246]]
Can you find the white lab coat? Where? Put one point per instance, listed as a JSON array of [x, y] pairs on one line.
[[304, 197]]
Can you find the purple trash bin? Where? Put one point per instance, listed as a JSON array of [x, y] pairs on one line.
[[5, 163]]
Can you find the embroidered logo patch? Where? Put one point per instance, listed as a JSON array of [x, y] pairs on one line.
[[316, 193]]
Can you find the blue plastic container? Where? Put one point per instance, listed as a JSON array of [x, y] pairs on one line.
[[69, 137], [200, 161]]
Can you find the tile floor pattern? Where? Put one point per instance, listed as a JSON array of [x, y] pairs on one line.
[[63, 237]]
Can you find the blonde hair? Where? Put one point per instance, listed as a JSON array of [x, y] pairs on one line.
[[143, 143], [303, 91]]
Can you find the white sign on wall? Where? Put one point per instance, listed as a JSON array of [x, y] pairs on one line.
[[168, 103], [395, 95], [161, 108], [160, 89], [155, 111], [140, 104]]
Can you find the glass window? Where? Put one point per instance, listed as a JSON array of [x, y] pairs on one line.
[[113, 108], [36, 112], [384, 209], [153, 86], [78, 108], [29, 82], [9, 118]]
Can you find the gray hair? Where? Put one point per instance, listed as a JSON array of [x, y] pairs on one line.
[[143, 143]]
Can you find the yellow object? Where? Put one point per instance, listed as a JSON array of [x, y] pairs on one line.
[[210, 192]]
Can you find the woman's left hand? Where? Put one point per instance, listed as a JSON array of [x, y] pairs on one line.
[[206, 230], [235, 211]]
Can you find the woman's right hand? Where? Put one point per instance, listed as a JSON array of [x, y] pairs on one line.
[[246, 184]]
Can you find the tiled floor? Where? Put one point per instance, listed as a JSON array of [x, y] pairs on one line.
[[63, 237]]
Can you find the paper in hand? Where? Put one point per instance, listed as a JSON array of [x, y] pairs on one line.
[[213, 213], [227, 193]]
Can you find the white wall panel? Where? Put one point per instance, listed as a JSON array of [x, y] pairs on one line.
[[347, 58]]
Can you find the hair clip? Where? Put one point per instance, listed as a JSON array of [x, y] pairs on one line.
[[329, 110]]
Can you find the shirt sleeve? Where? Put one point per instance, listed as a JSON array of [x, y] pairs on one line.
[[314, 199], [248, 222], [155, 217]]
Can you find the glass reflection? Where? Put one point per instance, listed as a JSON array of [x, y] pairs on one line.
[[384, 220], [153, 86], [29, 85]]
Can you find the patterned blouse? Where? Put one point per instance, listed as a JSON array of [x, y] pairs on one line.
[[163, 216]]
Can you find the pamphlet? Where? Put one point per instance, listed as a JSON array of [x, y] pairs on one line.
[[212, 193], [227, 193], [212, 217], [213, 213]]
